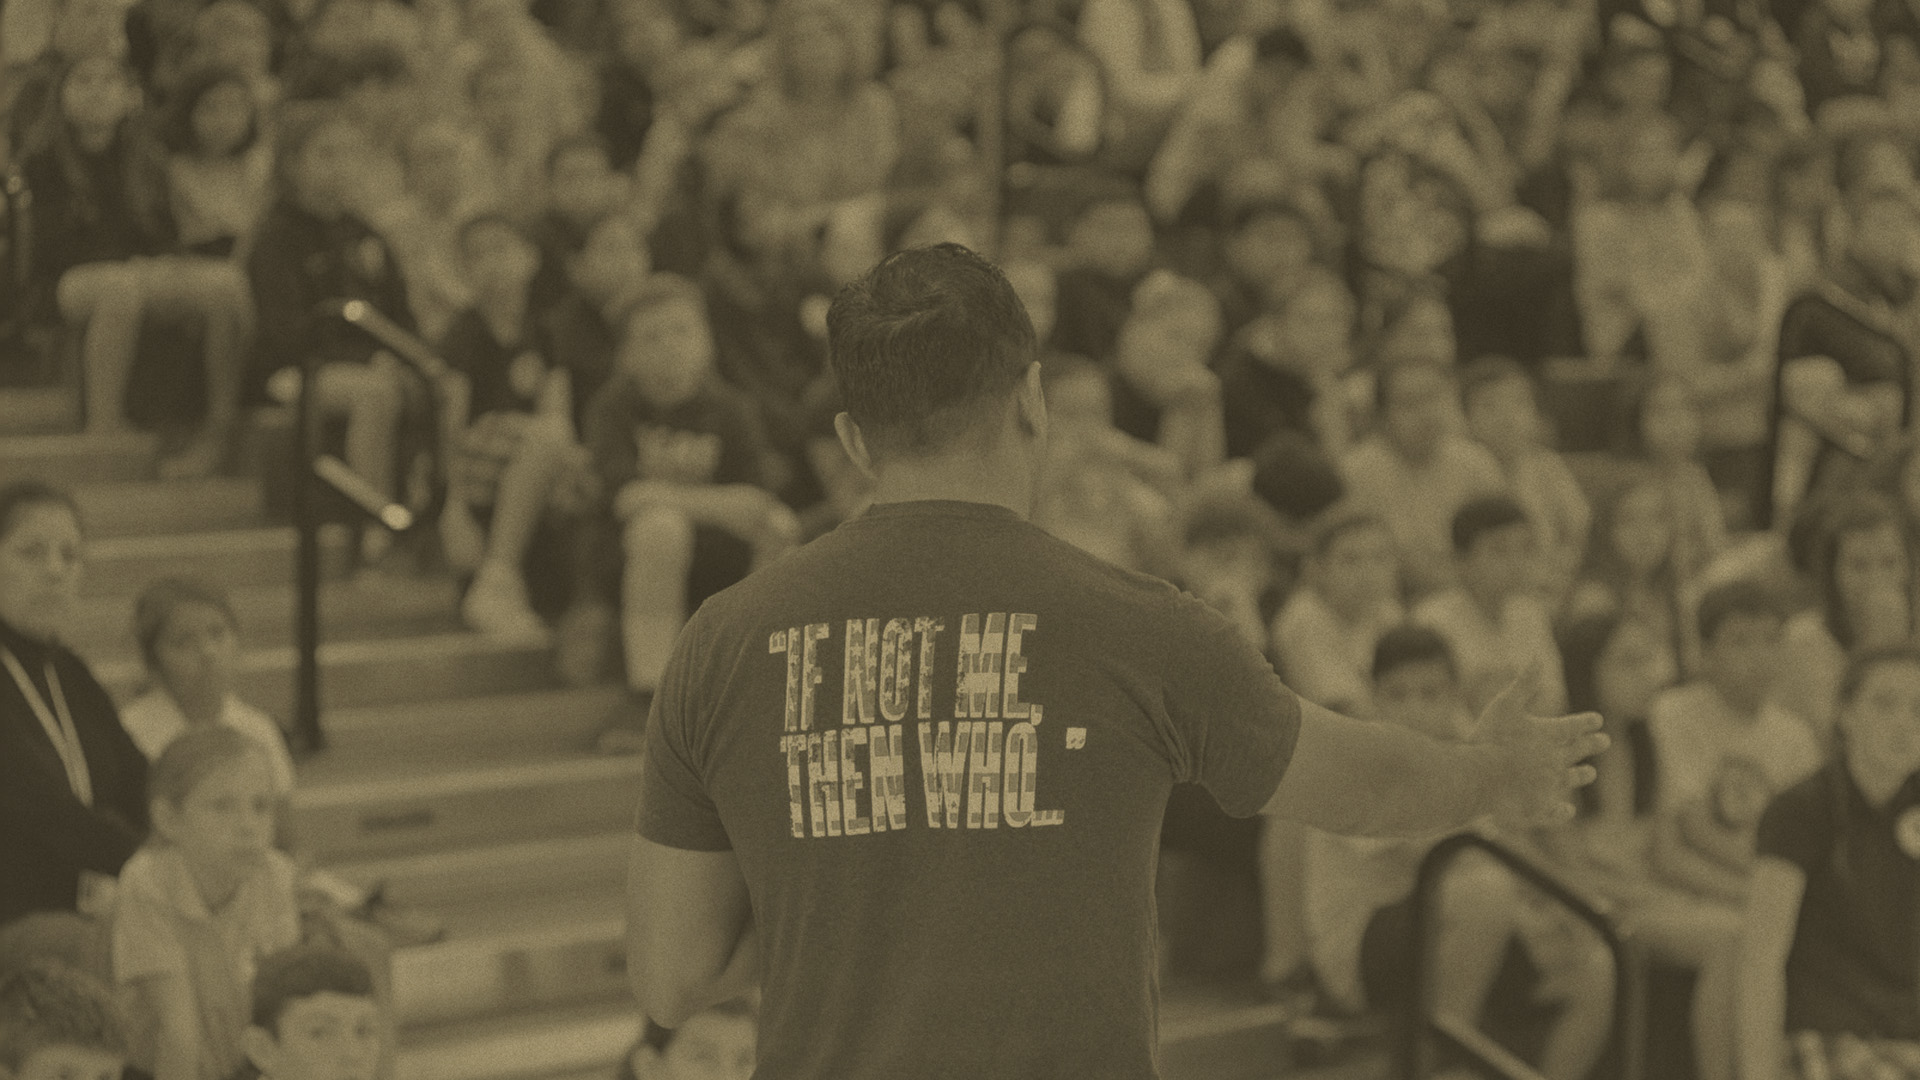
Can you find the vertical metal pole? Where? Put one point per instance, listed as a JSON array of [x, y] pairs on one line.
[[306, 640]]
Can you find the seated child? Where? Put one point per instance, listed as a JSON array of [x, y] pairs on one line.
[[314, 1017], [1504, 415], [1103, 490], [513, 454], [58, 1024], [714, 1045], [1666, 428], [1324, 636], [1416, 471], [1359, 894], [681, 462], [1708, 847], [1165, 390], [1494, 622], [1111, 248], [1286, 369], [200, 904], [1827, 956]]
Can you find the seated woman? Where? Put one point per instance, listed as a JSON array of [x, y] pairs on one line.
[[1827, 950], [104, 236]]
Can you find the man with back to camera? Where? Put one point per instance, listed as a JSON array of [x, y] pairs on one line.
[[909, 779]]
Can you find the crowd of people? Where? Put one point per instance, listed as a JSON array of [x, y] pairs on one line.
[[1325, 289]]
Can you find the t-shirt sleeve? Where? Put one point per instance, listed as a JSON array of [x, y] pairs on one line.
[[675, 807], [1796, 827], [1232, 722], [143, 940]]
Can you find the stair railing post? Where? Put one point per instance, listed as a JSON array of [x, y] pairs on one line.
[[306, 520]]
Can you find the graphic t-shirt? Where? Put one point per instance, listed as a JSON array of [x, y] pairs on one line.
[[940, 743]]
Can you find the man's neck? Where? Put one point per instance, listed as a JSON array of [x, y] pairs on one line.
[[996, 479]]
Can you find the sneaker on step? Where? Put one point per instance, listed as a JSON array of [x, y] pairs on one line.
[[496, 605]]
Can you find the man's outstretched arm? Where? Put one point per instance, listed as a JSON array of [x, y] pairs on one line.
[[1369, 779]]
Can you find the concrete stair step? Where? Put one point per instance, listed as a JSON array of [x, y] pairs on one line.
[[412, 810], [73, 459], [573, 1042], [357, 607], [509, 954], [594, 862], [233, 558], [146, 508], [38, 410], [500, 725], [396, 671]]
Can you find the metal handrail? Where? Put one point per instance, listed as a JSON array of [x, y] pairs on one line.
[[1420, 1023], [311, 466]]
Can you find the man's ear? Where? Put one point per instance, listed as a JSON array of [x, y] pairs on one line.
[[1032, 402], [854, 443], [261, 1048]]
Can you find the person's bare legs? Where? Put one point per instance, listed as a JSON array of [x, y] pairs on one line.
[[216, 291], [1583, 982], [372, 398], [497, 601], [1474, 923], [105, 300], [1705, 936], [658, 543]]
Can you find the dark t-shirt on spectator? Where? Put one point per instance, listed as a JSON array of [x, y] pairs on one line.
[[1855, 957], [1089, 309], [103, 207], [1259, 400], [505, 377], [300, 260], [946, 884], [716, 438], [575, 334]]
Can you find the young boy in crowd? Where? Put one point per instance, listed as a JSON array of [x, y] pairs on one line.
[[582, 189], [1504, 416], [1728, 712], [1494, 621], [1416, 472], [1101, 489], [1284, 369], [1110, 249], [1268, 254], [57, 1023], [1165, 390], [714, 1045], [682, 464], [1324, 636], [1359, 893], [315, 1017]]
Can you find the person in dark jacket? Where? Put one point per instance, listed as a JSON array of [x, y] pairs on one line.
[[73, 786]]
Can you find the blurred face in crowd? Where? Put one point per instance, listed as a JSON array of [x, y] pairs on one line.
[[1159, 348], [40, 569], [324, 169], [1871, 577], [498, 89], [197, 653], [222, 119], [68, 1063], [324, 1036], [1415, 412], [1881, 721], [96, 95], [1115, 238], [1641, 532], [225, 824], [1423, 695], [1635, 665], [1269, 251], [1670, 422], [581, 184], [1408, 225], [1500, 563], [500, 260], [1422, 333], [1357, 573], [668, 350], [1318, 322], [1742, 657], [1502, 414], [612, 264]]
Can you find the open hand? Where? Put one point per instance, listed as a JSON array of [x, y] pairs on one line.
[[1540, 758]]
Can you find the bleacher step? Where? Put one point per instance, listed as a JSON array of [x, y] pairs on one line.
[[560, 864], [359, 607], [70, 460], [38, 410], [123, 565], [148, 508], [412, 810], [566, 1043], [500, 725], [424, 668], [509, 954]]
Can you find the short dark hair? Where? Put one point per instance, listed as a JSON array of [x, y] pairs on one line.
[[1740, 598], [158, 602], [191, 758], [922, 341], [301, 972], [45, 1004], [23, 495], [1482, 516], [1409, 644]]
